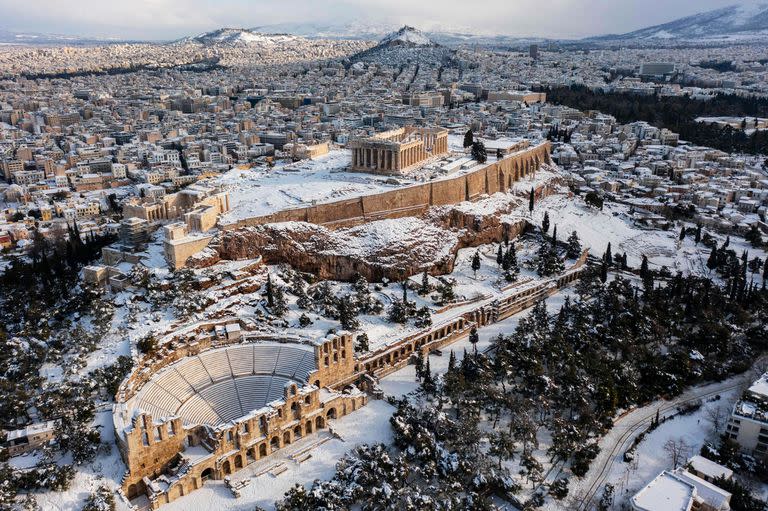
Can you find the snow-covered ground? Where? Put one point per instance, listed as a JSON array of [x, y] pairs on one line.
[[614, 225], [651, 458], [261, 191]]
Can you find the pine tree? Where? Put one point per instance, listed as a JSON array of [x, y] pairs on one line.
[[420, 365], [423, 317], [509, 264], [545, 223], [452, 362], [474, 338], [362, 343], [446, 291], [468, 139], [476, 263], [304, 320], [479, 154], [573, 246], [347, 316], [530, 201], [279, 306]]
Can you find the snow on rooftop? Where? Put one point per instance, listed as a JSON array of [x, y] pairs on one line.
[[760, 387], [709, 468], [666, 492]]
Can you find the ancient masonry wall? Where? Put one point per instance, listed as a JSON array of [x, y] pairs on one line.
[[412, 200]]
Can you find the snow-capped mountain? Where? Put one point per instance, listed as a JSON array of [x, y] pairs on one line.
[[739, 21], [237, 36], [407, 36]]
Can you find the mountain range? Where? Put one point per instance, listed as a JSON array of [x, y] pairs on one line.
[[739, 22]]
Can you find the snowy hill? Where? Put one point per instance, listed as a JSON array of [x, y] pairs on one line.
[[740, 21], [237, 36], [407, 36], [407, 45]]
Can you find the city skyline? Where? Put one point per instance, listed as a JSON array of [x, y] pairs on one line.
[[164, 20]]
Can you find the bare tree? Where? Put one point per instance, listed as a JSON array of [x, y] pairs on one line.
[[678, 451], [717, 416]]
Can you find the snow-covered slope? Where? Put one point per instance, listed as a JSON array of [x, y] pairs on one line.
[[237, 36], [407, 36], [744, 20], [406, 45]]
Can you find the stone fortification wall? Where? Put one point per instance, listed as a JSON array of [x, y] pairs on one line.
[[412, 200]]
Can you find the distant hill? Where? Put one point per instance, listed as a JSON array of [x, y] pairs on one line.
[[236, 36], [736, 22], [12, 37], [407, 36], [406, 45]]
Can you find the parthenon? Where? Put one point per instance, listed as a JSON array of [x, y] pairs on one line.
[[396, 151]]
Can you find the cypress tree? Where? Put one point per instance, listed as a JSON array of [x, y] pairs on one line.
[[499, 256], [476, 263], [425, 287], [682, 233], [697, 235], [712, 261], [270, 291], [554, 237], [452, 362], [608, 256], [545, 223], [604, 272], [530, 201]]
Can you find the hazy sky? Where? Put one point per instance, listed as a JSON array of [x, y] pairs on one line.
[[171, 19]]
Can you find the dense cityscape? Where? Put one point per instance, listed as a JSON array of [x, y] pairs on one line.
[[404, 270]]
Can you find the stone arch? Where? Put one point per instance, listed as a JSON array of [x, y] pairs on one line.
[[308, 427], [262, 450], [287, 438], [331, 413], [250, 455], [274, 444], [206, 475], [319, 423], [226, 468], [297, 432], [238, 461]]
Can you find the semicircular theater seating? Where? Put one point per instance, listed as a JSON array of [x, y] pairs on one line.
[[224, 384]]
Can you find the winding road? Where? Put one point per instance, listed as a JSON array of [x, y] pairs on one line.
[[627, 427]]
